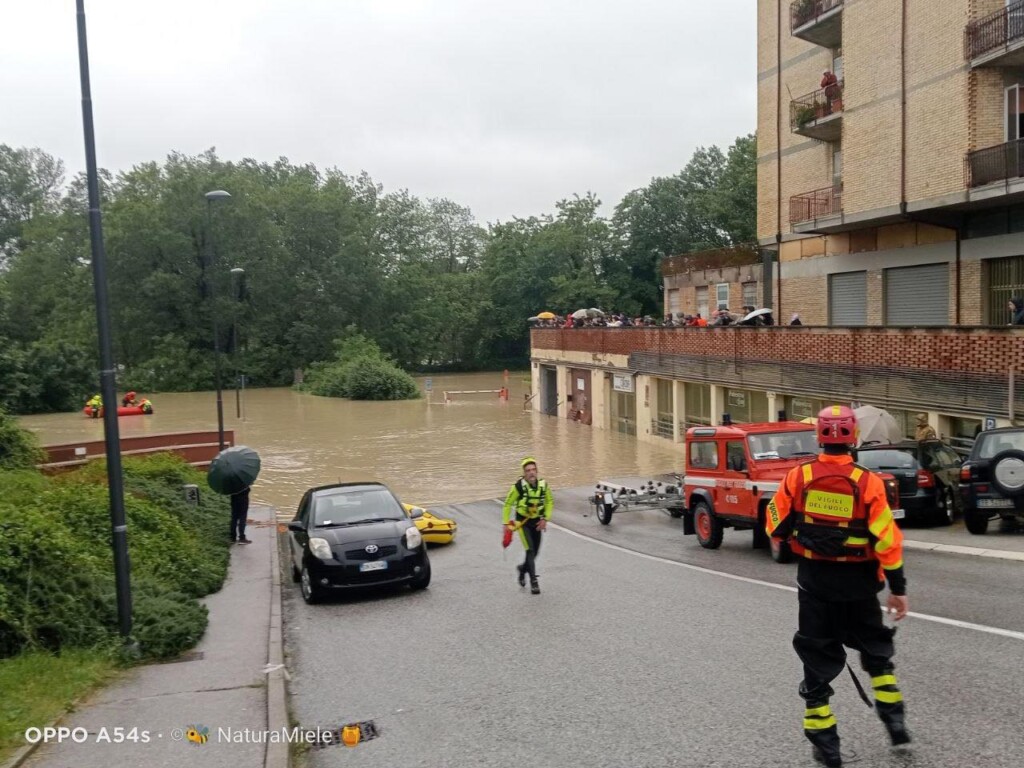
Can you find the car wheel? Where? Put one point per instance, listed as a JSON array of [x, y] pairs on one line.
[[781, 551], [1008, 473], [676, 512], [709, 528], [423, 581], [604, 513], [945, 513], [977, 522], [310, 592]]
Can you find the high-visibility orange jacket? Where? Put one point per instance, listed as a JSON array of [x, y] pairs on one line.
[[833, 510]]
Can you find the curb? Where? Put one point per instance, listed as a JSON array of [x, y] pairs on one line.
[[277, 754], [957, 549]]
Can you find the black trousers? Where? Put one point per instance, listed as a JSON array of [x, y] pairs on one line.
[[531, 538], [826, 627], [239, 512]]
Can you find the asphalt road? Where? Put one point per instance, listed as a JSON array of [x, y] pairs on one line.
[[626, 660]]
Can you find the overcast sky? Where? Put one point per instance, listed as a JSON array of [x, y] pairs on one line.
[[505, 106]]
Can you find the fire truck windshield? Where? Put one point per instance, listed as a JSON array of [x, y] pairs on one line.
[[783, 445]]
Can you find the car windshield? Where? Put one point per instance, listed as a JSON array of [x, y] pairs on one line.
[[990, 445], [783, 445], [349, 507], [887, 459]]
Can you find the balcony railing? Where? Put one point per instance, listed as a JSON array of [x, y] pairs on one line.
[[817, 21], [993, 164], [815, 205], [995, 31], [807, 113]]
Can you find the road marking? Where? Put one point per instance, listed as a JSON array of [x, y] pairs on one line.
[[1012, 634], [957, 549]]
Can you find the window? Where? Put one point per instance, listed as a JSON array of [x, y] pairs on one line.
[[1005, 281], [991, 443], [673, 302], [735, 457], [704, 455], [837, 63], [350, 506], [698, 404], [798, 408], [702, 301], [747, 406], [750, 294], [966, 429], [722, 295], [1014, 125], [887, 459], [837, 166]]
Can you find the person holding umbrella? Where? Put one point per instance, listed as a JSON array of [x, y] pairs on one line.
[[527, 509], [232, 473]]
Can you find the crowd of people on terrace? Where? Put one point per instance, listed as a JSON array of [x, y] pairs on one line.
[[719, 318]]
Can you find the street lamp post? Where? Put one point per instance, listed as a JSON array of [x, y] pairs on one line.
[[108, 383], [237, 274], [211, 197]]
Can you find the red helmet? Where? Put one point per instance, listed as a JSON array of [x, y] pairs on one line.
[[837, 425]]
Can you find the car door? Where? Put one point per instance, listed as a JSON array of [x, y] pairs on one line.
[[733, 497], [298, 539]]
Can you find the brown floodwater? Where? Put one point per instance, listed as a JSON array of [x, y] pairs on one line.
[[427, 453]]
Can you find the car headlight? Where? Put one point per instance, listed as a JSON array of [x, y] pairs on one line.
[[413, 538], [321, 549]]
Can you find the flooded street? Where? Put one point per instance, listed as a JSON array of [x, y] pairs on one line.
[[428, 454]]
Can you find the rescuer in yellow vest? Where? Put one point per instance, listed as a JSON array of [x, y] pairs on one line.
[[836, 516], [528, 508]]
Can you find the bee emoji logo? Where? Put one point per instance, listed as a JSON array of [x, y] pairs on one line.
[[197, 734], [350, 735]]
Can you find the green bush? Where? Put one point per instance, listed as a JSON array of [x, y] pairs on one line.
[[19, 448], [56, 565], [360, 371]]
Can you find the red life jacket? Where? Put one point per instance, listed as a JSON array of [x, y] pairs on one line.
[[831, 518]]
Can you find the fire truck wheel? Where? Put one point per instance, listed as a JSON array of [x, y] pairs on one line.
[[781, 553], [709, 528]]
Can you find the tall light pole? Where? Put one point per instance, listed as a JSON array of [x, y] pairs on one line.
[[211, 197], [108, 383], [237, 274]]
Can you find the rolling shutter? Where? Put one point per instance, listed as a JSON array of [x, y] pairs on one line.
[[917, 295], [848, 298]]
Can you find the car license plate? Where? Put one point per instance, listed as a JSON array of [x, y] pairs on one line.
[[376, 565], [995, 503], [899, 514]]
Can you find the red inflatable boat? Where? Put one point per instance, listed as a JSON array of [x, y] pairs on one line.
[[131, 410]]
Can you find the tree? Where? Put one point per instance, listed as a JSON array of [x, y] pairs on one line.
[[30, 182]]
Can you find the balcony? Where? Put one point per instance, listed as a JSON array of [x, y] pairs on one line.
[[819, 115], [996, 165], [810, 208], [719, 258], [817, 21], [997, 40]]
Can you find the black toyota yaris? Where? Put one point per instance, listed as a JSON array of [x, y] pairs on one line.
[[355, 535]]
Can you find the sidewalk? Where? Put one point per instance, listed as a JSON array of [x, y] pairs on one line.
[[222, 683]]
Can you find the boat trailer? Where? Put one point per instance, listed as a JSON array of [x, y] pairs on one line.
[[610, 498]]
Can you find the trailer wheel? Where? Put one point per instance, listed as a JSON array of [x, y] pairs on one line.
[[604, 513], [709, 528]]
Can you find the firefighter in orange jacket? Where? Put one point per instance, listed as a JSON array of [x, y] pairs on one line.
[[837, 520]]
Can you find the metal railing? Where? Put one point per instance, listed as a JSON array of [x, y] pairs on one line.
[[995, 31], [992, 164], [815, 205], [803, 12], [662, 428], [820, 104]]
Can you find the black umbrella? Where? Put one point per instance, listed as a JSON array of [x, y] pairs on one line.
[[233, 470]]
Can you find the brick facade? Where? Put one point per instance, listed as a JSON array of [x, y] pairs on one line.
[[986, 351]]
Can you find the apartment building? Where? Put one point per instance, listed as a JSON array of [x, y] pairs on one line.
[[893, 195]]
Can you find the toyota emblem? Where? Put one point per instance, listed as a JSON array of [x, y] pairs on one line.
[[371, 549]]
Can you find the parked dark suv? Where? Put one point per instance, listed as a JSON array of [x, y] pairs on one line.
[[992, 478], [928, 473]]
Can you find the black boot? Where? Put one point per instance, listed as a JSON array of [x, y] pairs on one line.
[[522, 576], [892, 717], [534, 586]]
